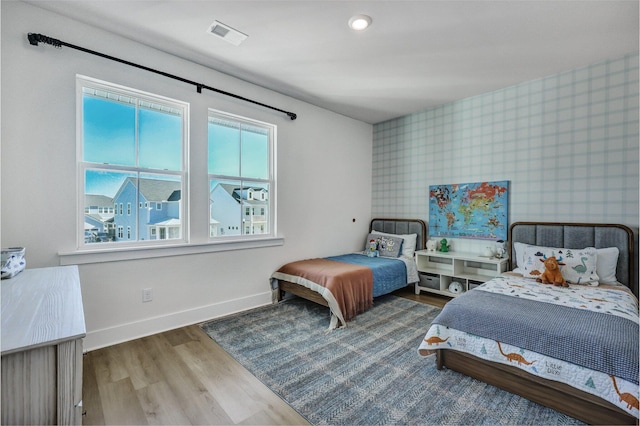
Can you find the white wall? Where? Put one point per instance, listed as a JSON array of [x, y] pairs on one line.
[[324, 178]]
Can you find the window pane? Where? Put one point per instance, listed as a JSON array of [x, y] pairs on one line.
[[163, 220], [108, 131], [255, 154], [240, 176], [225, 216], [224, 148], [101, 188], [255, 202], [160, 139]]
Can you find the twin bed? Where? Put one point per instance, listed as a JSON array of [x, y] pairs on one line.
[[348, 283], [574, 349]]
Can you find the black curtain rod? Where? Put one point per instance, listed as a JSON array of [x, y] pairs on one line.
[[34, 39]]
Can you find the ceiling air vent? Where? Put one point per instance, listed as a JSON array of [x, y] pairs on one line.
[[227, 33]]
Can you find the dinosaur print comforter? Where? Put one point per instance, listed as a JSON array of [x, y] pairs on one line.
[[586, 337]]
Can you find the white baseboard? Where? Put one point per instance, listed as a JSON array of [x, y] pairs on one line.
[[97, 339]]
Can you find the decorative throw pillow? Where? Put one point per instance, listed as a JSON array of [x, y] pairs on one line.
[[607, 263], [388, 246], [408, 242], [580, 265]]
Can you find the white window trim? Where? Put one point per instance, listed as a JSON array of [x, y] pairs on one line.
[[165, 250], [82, 81]]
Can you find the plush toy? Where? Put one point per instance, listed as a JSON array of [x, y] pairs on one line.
[[432, 245], [373, 248], [444, 246], [552, 273]]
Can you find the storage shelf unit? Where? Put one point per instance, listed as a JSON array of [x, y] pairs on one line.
[[438, 270]]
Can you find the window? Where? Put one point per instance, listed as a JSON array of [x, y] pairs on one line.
[[132, 149], [240, 163]]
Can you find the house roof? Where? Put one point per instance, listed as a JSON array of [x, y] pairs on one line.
[[234, 190], [97, 200], [156, 190], [98, 218], [168, 222]]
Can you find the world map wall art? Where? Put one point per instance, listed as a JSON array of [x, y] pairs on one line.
[[469, 210]]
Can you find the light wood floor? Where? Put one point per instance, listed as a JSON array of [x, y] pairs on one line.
[[183, 377]]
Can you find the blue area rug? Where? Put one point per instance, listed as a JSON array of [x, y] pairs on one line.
[[367, 373]]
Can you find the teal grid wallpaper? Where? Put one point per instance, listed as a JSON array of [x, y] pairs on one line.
[[568, 143]]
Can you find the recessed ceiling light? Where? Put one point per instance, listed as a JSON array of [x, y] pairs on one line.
[[359, 22]]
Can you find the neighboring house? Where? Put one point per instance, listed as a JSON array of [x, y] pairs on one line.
[[98, 218], [238, 211], [158, 210]]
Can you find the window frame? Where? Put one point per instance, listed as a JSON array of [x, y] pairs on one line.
[[271, 180], [82, 167], [188, 244]]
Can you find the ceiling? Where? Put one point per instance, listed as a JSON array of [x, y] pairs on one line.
[[415, 55]]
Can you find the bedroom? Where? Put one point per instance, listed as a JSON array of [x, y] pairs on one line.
[[38, 159]]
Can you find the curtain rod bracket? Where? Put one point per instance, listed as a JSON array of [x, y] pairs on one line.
[[34, 39]]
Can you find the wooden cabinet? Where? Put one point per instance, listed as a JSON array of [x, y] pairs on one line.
[[438, 270], [42, 330]]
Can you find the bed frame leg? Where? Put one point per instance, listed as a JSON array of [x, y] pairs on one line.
[[439, 360]]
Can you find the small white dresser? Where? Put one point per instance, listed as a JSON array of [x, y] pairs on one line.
[[42, 330]]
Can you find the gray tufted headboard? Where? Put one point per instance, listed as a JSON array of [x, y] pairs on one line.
[[402, 226], [579, 235]]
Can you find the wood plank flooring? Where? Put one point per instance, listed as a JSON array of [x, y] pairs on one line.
[[183, 377]]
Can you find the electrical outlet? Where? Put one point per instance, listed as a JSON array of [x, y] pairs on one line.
[[147, 296]]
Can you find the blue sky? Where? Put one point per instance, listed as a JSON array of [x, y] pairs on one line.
[[226, 159], [109, 136]]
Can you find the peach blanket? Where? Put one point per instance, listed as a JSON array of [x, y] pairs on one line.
[[350, 285]]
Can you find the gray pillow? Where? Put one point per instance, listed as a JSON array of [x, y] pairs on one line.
[[387, 245]]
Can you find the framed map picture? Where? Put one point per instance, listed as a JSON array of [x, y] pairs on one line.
[[469, 210]]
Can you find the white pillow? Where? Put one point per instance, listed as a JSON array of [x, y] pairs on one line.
[[518, 248], [607, 263], [408, 243], [580, 265]]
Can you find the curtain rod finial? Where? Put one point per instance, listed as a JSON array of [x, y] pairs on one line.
[[33, 39]]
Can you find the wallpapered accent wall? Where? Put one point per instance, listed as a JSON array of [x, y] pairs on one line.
[[568, 143]]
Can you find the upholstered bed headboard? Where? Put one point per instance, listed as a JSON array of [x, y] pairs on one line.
[[402, 226], [579, 235]]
